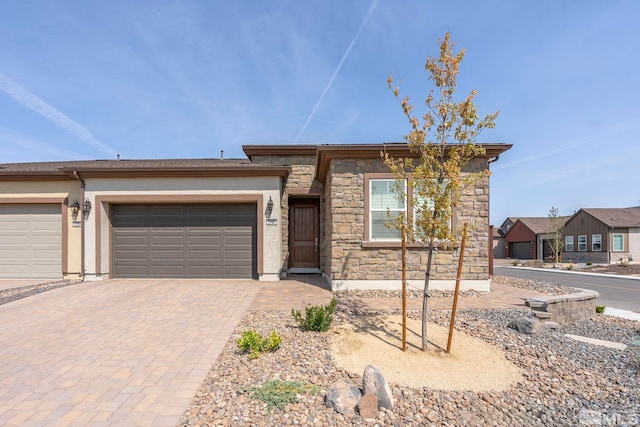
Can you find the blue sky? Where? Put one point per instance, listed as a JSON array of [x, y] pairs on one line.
[[185, 79]]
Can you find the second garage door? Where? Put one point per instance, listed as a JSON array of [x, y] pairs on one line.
[[30, 241], [521, 250], [186, 241]]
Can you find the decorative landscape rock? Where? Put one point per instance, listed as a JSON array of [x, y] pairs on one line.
[[368, 406], [526, 325], [343, 396], [374, 382]]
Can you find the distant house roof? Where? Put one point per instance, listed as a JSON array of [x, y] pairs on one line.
[[616, 217], [541, 225]]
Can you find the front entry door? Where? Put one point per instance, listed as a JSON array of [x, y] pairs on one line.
[[304, 233]]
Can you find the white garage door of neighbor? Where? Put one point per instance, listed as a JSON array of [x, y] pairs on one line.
[[30, 241]]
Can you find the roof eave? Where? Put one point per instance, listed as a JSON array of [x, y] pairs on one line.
[[171, 172], [326, 153]]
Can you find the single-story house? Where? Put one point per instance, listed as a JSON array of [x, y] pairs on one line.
[[606, 235], [285, 209], [530, 238], [499, 244]]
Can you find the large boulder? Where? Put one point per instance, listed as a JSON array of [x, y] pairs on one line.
[[526, 325], [343, 396], [374, 382]]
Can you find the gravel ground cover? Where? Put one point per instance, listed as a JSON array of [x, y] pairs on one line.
[[566, 382], [534, 285], [13, 294]]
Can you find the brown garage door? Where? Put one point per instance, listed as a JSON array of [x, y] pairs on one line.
[[30, 241], [187, 241], [521, 250]]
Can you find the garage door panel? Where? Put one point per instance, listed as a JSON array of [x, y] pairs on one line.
[[167, 240], [122, 256], [159, 255], [200, 240], [30, 241], [196, 255]]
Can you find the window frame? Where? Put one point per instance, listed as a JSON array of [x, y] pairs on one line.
[[613, 242], [370, 209], [388, 243], [584, 243], [596, 239], [568, 244]]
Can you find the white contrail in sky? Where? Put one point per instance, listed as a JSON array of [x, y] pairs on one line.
[[31, 101], [338, 68]]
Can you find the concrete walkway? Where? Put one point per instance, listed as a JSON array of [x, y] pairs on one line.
[[119, 352]]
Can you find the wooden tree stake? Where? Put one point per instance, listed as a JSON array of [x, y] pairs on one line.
[[457, 291]]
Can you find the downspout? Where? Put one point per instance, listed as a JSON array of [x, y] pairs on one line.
[[82, 221]]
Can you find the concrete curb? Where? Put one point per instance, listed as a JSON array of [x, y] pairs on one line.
[[553, 270]]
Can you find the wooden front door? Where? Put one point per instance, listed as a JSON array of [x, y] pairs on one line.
[[304, 233]]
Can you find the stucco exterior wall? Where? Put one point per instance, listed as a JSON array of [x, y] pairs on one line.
[[299, 183], [353, 261], [104, 191], [634, 243], [43, 192]]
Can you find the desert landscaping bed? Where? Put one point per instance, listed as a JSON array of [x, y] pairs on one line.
[[564, 382]]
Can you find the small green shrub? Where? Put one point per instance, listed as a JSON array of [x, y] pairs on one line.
[[278, 392], [515, 262], [600, 309], [624, 262], [317, 318], [589, 263], [570, 267], [254, 343]]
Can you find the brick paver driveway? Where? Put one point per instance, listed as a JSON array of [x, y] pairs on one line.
[[118, 352]]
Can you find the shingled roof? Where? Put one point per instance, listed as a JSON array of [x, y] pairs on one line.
[[131, 168], [541, 225], [616, 217]]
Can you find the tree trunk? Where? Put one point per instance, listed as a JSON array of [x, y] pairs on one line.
[[425, 298]]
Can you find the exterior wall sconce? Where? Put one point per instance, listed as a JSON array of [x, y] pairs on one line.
[[86, 208], [75, 208], [269, 210]]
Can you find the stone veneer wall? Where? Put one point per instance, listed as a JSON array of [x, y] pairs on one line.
[[345, 218], [301, 178], [601, 257]]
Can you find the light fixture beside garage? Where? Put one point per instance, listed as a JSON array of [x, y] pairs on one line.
[[75, 208], [86, 208], [269, 210]]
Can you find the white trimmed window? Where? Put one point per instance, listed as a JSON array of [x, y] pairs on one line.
[[596, 242], [582, 243], [383, 198], [618, 242], [568, 244]]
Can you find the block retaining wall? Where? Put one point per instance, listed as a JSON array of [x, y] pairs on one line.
[[568, 308]]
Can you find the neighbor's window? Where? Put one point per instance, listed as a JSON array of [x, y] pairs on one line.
[[582, 243], [618, 242], [383, 197], [568, 244], [596, 242]]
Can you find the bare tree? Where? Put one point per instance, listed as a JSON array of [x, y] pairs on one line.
[[557, 228]]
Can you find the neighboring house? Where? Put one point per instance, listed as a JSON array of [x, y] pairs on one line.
[[530, 238], [602, 235], [286, 209], [499, 244]]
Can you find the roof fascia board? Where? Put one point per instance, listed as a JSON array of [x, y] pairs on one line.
[[228, 171], [279, 150], [326, 153]]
